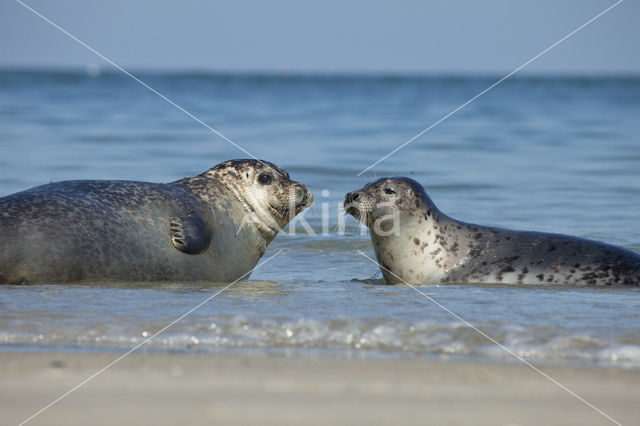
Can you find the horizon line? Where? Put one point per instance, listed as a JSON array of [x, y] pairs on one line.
[[275, 72]]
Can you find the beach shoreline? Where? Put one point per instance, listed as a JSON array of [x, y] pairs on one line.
[[168, 389]]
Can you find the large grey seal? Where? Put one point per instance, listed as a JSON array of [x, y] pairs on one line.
[[213, 227], [416, 242]]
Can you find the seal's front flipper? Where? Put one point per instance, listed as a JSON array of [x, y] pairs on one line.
[[189, 233]]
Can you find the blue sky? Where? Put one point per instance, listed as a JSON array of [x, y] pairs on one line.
[[491, 36]]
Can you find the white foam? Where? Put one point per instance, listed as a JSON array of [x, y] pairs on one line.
[[367, 336]]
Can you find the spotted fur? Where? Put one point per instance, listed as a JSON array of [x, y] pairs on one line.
[[431, 247], [211, 227]]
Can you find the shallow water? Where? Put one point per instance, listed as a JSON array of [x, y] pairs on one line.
[[546, 154]]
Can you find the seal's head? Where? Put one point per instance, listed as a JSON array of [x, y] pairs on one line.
[[389, 198], [402, 222], [270, 198]]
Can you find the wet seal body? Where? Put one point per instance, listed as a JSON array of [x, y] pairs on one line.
[[426, 246], [211, 227]]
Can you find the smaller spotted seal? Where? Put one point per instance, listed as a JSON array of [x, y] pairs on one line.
[[211, 227], [416, 242]]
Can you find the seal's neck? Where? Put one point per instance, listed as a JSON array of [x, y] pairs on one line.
[[214, 192], [422, 250]]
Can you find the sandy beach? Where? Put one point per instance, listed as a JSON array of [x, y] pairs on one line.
[[165, 389]]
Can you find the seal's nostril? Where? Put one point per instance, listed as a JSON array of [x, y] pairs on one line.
[[351, 197]]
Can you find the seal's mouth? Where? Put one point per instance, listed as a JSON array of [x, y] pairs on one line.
[[358, 211], [286, 212], [352, 210], [353, 204]]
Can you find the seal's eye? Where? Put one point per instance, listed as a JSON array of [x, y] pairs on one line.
[[389, 191], [265, 178]]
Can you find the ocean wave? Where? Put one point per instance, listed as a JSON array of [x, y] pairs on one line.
[[369, 337]]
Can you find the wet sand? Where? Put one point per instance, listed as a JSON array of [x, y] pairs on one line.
[[161, 389]]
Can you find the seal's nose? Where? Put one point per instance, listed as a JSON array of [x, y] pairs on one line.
[[350, 197], [303, 195], [307, 196]]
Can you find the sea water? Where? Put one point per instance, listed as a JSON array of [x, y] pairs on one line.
[[554, 154]]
